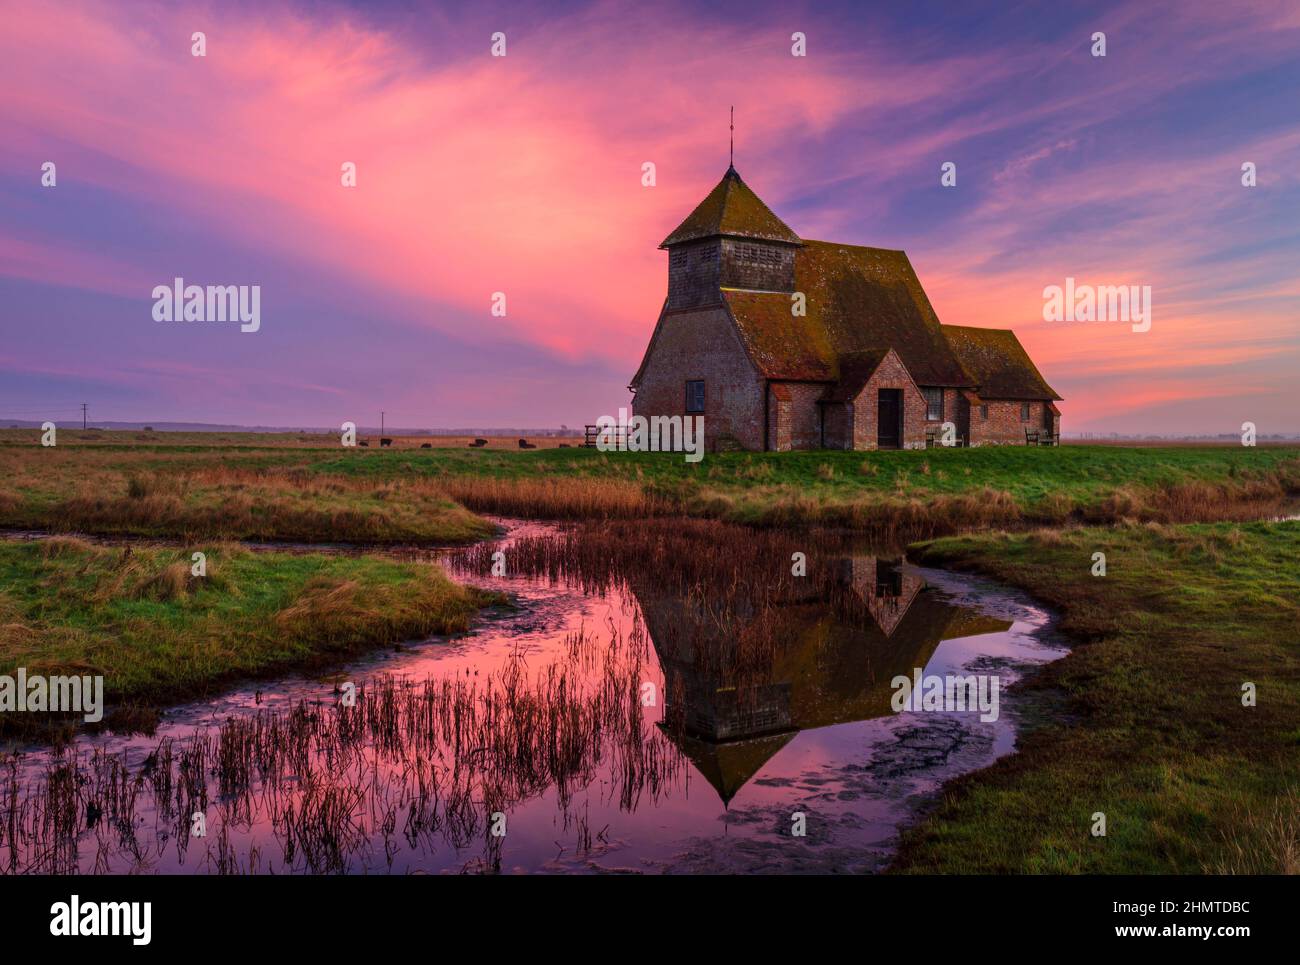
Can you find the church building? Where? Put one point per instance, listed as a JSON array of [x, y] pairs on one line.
[[781, 342]]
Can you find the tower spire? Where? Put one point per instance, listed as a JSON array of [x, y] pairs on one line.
[[732, 161]]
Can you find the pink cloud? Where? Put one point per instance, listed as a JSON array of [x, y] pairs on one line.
[[522, 174], [481, 175]]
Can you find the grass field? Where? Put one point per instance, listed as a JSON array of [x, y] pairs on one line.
[[219, 494], [255, 487], [159, 634], [1145, 722], [1154, 733]]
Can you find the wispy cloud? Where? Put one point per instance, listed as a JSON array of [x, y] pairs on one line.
[[522, 174]]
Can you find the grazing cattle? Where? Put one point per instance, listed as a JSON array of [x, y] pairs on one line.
[[426, 445], [478, 444], [385, 443], [525, 444]]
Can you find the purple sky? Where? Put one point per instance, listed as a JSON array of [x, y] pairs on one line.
[[522, 174]]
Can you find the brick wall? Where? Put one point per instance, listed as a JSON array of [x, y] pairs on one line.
[[961, 414], [778, 422], [889, 375], [1004, 426], [704, 345], [794, 420], [955, 410], [839, 425]]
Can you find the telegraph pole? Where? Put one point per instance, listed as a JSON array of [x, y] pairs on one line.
[[381, 422], [83, 415]]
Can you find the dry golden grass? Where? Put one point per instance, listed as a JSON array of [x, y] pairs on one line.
[[1263, 840], [559, 497], [178, 496], [380, 496]]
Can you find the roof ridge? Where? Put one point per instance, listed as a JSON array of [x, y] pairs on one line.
[[845, 244], [977, 328]]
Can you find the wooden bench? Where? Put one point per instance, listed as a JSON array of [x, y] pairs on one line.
[[932, 434]]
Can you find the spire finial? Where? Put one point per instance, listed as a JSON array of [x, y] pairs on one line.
[[732, 162]]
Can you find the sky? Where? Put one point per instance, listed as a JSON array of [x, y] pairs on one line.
[[523, 174]]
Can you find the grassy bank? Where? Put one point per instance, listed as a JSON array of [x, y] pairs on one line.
[[158, 634], [1156, 738], [243, 489], [219, 494]]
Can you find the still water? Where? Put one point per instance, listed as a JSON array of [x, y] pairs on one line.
[[655, 700]]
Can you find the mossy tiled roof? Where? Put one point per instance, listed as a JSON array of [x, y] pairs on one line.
[[860, 303], [997, 363], [782, 345], [856, 369], [732, 209]]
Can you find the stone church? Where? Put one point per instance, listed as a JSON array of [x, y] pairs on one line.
[[782, 343]]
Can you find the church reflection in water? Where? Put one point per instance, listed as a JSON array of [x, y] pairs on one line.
[[833, 663]]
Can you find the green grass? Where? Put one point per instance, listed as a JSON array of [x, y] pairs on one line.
[[925, 492], [219, 494], [302, 493], [1031, 473], [158, 634], [1154, 734]]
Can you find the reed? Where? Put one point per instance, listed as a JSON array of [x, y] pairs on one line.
[[323, 787], [555, 497], [139, 616], [737, 598], [83, 491]]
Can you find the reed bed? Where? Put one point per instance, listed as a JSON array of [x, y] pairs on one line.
[[431, 496], [560, 497], [83, 491], [900, 515], [324, 787], [158, 632], [737, 600]]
